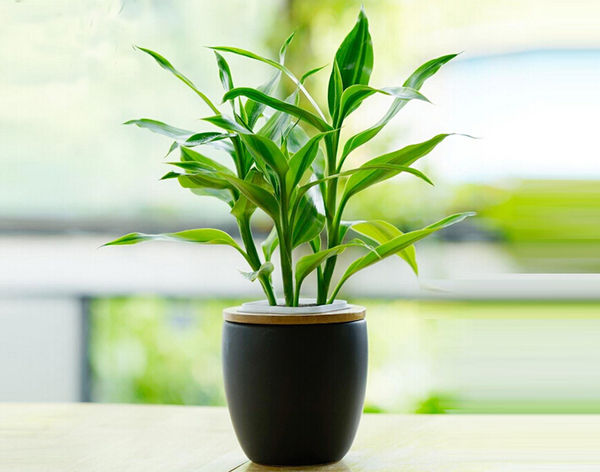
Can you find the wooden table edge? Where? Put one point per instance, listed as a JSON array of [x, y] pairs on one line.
[[352, 313]]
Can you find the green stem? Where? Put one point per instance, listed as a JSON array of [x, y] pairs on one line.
[[239, 150], [285, 248], [254, 259], [331, 144], [335, 291]]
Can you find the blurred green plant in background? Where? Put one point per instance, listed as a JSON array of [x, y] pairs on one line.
[[424, 356]]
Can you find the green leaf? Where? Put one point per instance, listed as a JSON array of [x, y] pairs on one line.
[[308, 264], [204, 236], [262, 198], [244, 208], [404, 157], [170, 175], [212, 180], [174, 146], [415, 81], [266, 153], [270, 244], [205, 185], [208, 137], [254, 110], [311, 72], [354, 95], [318, 165], [382, 232], [241, 160], [278, 122], [296, 138], [223, 121], [265, 269], [202, 162], [302, 160], [366, 169], [336, 88], [309, 219], [224, 72], [424, 72], [161, 128], [395, 245], [223, 195], [280, 105], [226, 78], [169, 67], [284, 47], [281, 67], [354, 59]]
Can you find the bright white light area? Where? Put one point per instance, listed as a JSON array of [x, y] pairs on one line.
[[537, 112]]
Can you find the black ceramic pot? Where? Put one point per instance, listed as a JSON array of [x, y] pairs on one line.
[[295, 392]]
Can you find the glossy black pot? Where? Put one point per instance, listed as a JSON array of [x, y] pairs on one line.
[[295, 392]]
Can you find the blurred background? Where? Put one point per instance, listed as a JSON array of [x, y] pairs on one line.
[[505, 316]]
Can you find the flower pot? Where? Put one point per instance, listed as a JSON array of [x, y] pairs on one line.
[[295, 383]]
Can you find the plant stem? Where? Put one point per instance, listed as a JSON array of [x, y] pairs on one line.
[[285, 248], [239, 150], [254, 259], [334, 293], [331, 144]]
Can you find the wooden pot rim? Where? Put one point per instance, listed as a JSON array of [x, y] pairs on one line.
[[352, 313]]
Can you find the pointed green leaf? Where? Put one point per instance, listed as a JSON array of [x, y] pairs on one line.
[[262, 198], [202, 162], [302, 160], [354, 58], [270, 244], [308, 264], [280, 105], [204, 236], [382, 232], [309, 219], [265, 269], [266, 153], [221, 194], [161, 128], [278, 122], [209, 137], [224, 72], [169, 67], [174, 146], [396, 244], [405, 157], [354, 95], [223, 121], [336, 88], [170, 175], [244, 208], [226, 78], [284, 47], [366, 169], [254, 110], [212, 180], [281, 67], [424, 72], [415, 81], [311, 72]]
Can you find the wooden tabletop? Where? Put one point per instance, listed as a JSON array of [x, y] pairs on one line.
[[132, 438]]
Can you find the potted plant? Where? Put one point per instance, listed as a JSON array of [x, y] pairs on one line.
[[295, 369]]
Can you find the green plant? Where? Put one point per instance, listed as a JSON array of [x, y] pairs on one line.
[[292, 176]]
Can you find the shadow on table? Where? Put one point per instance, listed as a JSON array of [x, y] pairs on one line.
[[335, 467]]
